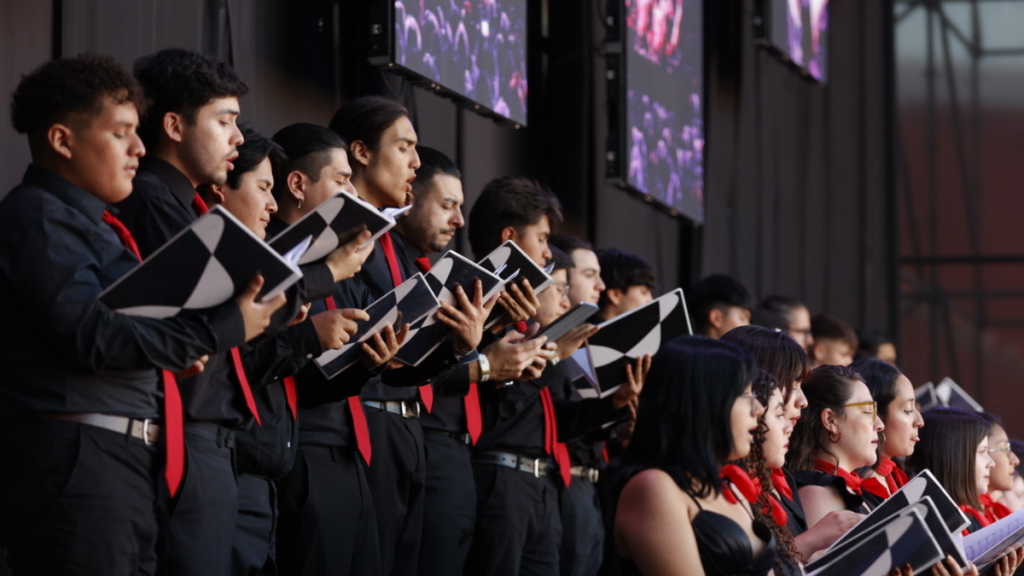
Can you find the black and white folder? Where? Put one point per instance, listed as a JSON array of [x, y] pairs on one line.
[[933, 521], [925, 396], [450, 271], [204, 265], [920, 486], [628, 336], [409, 302], [334, 223], [510, 262], [576, 316], [952, 395], [900, 540]]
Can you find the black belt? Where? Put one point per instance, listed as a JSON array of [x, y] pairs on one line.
[[589, 474], [536, 466], [145, 430], [460, 437], [404, 408]]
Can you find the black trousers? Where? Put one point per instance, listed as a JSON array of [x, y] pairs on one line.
[[198, 524], [76, 499], [326, 517], [518, 529], [397, 475], [582, 548], [449, 506], [253, 551]]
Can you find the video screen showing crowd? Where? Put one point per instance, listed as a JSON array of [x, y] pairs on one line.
[[195, 424]]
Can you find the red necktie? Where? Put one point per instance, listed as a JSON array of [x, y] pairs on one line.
[[292, 396], [551, 444], [994, 511], [979, 516], [853, 482], [356, 407], [174, 431], [200, 207], [426, 391], [471, 401]]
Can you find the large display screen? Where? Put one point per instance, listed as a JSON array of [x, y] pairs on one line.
[[664, 102], [800, 29], [473, 48]]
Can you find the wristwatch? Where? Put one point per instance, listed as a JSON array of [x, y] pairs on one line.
[[485, 367]]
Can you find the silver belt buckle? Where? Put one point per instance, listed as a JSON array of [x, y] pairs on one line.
[[592, 475], [402, 410], [536, 467], [145, 432]]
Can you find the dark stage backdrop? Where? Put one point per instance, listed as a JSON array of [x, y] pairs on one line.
[[797, 182]]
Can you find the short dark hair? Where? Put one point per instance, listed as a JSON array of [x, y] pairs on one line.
[[775, 352], [621, 269], [781, 306], [827, 387], [829, 327], [307, 149], [766, 319], [59, 90], [432, 164], [252, 153], [560, 259], [869, 341], [949, 447], [366, 118], [182, 81], [683, 426], [717, 291], [568, 243], [509, 201]]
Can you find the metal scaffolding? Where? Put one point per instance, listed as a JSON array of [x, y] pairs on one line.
[[919, 270]]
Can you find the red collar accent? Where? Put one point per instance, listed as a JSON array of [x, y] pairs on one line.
[[781, 485], [978, 515], [739, 478], [853, 482], [994, 511]]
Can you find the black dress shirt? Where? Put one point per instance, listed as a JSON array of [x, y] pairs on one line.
[[62, 350], [516, 423], [402, 384], [160, 207]]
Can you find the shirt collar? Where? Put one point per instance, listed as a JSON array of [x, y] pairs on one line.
[[176, 181], [72, 195]]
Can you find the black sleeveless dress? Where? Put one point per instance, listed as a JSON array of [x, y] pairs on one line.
[[725, 547]]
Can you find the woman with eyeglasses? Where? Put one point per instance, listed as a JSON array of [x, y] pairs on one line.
[[675, 497], [897, 408], [954, 446], [1001, 479], [837, 434]]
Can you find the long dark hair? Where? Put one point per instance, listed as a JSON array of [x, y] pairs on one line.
[[880, 377], [764, 386], [683, 426], [948, 447], [775, 352], [827, 387]]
